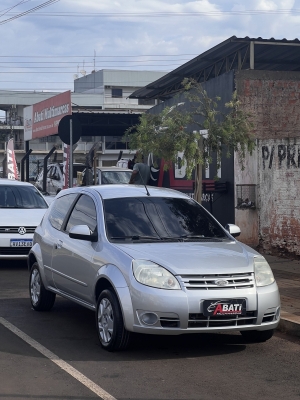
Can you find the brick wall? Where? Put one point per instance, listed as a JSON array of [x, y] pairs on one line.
[[273, 98]]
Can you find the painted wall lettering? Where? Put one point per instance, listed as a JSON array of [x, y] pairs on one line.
[[288, 156]]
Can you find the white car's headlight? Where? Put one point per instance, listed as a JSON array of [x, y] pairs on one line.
[[263, 273], [151, 274]]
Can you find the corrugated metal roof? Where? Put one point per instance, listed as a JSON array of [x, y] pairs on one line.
[[269, 54]]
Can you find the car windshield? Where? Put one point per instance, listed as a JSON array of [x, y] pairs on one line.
[[76, 168], [158, 218], [21, 197], [108, 177]]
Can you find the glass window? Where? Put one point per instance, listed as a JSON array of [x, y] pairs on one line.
[[49, 172], [84, 213], [159, 218], [55, 174], [116, 93], [121, 177], [59, 210], [21, 197]]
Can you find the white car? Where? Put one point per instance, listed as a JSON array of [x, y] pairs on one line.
[[22, 208], [107, 176], [54, 178]]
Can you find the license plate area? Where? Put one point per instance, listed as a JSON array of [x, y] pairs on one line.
[[226, 307], [21, 242]]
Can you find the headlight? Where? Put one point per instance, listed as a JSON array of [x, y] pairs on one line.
[[151, 274], [263, 273]]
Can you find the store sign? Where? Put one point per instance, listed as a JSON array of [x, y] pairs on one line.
[[42, 119]]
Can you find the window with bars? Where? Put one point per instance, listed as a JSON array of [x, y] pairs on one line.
[[246, 196]]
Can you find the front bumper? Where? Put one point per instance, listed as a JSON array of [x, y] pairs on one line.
[[14, 253], [175, 312]]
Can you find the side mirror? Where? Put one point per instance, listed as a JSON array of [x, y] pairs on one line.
[[83, 232], [233, 229]]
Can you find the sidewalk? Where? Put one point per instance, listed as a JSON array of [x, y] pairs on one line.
[[287, 275]]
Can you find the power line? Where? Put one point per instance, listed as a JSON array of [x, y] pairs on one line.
[[104, 56], [7, 11], [46, 4], [85, 64], [165, 14]]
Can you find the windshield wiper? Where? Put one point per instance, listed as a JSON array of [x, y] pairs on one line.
[[135, 237], [190, 236]]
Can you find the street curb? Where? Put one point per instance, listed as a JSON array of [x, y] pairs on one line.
[[289, 326]]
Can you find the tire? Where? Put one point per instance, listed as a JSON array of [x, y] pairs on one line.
[[257, 336], [109, 322], [41, 299]]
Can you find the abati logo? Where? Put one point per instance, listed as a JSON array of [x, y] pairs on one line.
[[22, 230]]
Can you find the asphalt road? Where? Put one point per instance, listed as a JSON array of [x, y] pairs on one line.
[[74, 366]]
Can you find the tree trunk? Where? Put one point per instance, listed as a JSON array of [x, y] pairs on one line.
[[198, 176]]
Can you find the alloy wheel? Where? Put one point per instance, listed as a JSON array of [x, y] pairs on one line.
[[105, 320], [35, 286]]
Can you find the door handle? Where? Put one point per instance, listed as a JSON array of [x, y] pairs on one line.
[[59, 244]]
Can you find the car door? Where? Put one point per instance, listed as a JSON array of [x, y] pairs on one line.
[[52, 226], [72, 260]]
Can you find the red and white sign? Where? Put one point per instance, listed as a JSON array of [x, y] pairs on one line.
[[42, 119], [66, 163], [12, 168]]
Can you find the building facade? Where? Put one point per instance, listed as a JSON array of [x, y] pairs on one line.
[[101, 92], [266, 76]]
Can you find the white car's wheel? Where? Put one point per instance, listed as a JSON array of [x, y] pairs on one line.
[[109, 322]]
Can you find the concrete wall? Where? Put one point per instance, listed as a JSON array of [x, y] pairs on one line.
[[273, 98]]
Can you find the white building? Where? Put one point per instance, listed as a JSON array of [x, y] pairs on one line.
[[102, 92]]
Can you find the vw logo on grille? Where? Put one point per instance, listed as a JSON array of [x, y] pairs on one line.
[[221, 282], [22, 230]]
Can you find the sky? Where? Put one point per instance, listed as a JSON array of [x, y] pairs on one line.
[[46, 44]]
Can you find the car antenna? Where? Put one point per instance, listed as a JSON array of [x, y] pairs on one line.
[[148, 194]]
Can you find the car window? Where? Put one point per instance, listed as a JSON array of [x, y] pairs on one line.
[[55, 174], [59, 209], [49, 172], [21, 197], [84, 213], [110, 177], [159, 218]]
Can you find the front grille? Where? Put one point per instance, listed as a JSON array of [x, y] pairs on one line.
[[14, 229], [12, 251], [208, 282], [169, 322], [201, 321]]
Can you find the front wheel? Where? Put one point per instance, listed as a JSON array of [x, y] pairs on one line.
[[109, 322], [41, 298], [257, 336]]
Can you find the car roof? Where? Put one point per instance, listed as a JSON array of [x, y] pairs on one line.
[[12, 182], [125, 190]]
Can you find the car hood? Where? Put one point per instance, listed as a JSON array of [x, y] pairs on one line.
[[21, 216], [190, 258]]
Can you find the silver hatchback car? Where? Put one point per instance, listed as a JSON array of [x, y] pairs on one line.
[[150, 261]]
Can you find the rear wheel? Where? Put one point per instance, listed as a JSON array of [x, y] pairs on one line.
[[257, 336], [41, 299], [109, 322]]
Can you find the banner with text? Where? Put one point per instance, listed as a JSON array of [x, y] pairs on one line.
[[42, 119], [12, 168]]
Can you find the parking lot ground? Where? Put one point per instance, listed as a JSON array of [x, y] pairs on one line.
[[27, 374]]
